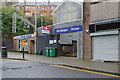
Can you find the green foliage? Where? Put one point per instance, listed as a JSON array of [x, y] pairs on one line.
[[7, 13], [39, 21], [46, 20]]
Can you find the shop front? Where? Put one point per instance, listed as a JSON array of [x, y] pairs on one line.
[[24, 41]]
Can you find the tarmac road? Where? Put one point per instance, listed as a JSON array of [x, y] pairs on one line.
[[27, 69]]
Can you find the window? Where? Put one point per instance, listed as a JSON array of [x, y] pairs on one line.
[[33, 14], [33, 8], [42, 8], [45, 8], [18, 8], [27, 14], [42, 13], [52, 7], [27, 8], [39, 13]]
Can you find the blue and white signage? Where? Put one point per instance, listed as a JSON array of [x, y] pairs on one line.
[[24, 36], [68, 29]]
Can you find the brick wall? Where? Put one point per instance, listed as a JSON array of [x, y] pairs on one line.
[[87, 46], [47, 9], [15, 45], [31, 45], [7, 41]]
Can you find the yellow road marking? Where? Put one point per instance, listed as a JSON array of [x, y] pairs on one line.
[[13, 60], [86, 70]]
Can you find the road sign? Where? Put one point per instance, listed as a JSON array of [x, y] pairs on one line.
[[24, 43], [45, 29], [35, 32]]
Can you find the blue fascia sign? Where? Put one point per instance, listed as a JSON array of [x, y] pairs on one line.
[[69, 29]]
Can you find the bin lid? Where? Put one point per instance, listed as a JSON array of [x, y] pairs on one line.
[[3, 47], [52, 47]]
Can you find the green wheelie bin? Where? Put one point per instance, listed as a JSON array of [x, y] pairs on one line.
[[47, 51], [52, 51]]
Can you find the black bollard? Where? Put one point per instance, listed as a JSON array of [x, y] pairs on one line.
[[23, 53]]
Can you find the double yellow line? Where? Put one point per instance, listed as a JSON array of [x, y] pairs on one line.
[[13, 59], [86, 71]]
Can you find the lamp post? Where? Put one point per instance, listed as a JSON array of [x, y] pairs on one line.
[[35, 24], [41, 20]]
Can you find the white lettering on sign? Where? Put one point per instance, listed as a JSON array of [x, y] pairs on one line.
[[62, 30], [75, 28]]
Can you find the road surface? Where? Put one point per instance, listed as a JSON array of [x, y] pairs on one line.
[[27, 69]]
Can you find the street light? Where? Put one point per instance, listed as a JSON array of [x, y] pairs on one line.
[[35, 24]]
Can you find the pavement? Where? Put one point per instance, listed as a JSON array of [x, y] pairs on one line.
[[108, 67]]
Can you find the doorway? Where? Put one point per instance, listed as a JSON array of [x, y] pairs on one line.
[[70, 50], [32, 46]]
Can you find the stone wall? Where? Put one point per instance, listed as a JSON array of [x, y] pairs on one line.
[[7, 41]]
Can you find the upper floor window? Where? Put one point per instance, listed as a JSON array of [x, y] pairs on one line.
[[39, 13], [33, 14], [42, 13], [18, 8], [52, 7], [33, 8], [27, 14], [27, 8], [43, 8], [52, 13]]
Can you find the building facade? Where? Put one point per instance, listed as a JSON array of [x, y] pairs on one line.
[[67, 16], [104, 30], [24, 41], [28, 8]]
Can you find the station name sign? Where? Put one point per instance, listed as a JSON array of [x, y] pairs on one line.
[[24, 36], [69, 29]]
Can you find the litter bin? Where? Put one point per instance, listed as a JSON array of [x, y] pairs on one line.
[[4, 52], [52, 51], [47, 51]]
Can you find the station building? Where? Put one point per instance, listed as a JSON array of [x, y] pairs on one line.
[[68, 32], [68, 22], [26, 41]]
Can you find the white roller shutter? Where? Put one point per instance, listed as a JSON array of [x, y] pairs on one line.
[[105, 48]]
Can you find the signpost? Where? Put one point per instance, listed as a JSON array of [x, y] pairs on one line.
[[68, 29], [24, 43]]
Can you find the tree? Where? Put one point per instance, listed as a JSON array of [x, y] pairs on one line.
[[7, 12], [39, 21], [32, 20], [48, 19]]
